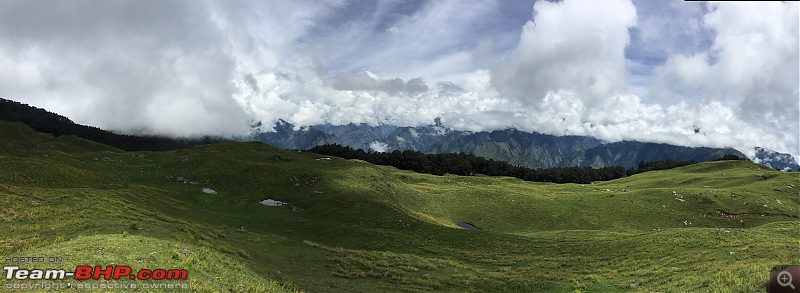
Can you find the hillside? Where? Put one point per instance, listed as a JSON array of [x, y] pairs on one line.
[[47, 122], [350, 226]]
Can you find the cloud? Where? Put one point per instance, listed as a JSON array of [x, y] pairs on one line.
[[752, 67], [694, 74], [434, 40], [378, 146], [151, 66], [365, 81], [569, 45], [668, 27]]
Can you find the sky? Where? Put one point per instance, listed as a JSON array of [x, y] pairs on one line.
[[716, 74]]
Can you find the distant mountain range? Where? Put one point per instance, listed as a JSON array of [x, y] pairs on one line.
[[533, 150]]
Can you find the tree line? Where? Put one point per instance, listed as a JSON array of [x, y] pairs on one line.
[[43, 121], [469, 164]]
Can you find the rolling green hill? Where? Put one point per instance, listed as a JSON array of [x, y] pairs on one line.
[[350, 226]]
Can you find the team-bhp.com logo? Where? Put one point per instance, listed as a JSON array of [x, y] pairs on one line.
[[95, 273]]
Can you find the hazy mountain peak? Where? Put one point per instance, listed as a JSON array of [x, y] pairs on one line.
[[775, 160]]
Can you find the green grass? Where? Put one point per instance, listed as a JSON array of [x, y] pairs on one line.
[[355, 227]]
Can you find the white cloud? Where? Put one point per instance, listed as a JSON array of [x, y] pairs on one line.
[[378, 146], [120, 65], [752, 66], [727, 70], [573, 45]]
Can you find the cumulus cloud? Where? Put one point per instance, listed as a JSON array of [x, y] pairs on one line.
[[569, 45], [694, 74], [752, 67]]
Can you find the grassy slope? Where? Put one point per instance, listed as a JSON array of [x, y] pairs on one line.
[[352, 226]]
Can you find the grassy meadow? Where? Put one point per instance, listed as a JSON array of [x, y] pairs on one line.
[[350, 226]]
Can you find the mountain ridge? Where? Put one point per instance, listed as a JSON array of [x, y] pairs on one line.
[[533, 150]]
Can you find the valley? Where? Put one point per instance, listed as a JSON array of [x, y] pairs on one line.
[[350, 226]]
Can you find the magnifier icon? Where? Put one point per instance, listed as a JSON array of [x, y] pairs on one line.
[[785, 279]]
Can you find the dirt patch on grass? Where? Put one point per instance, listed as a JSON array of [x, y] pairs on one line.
[[726, 215]]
